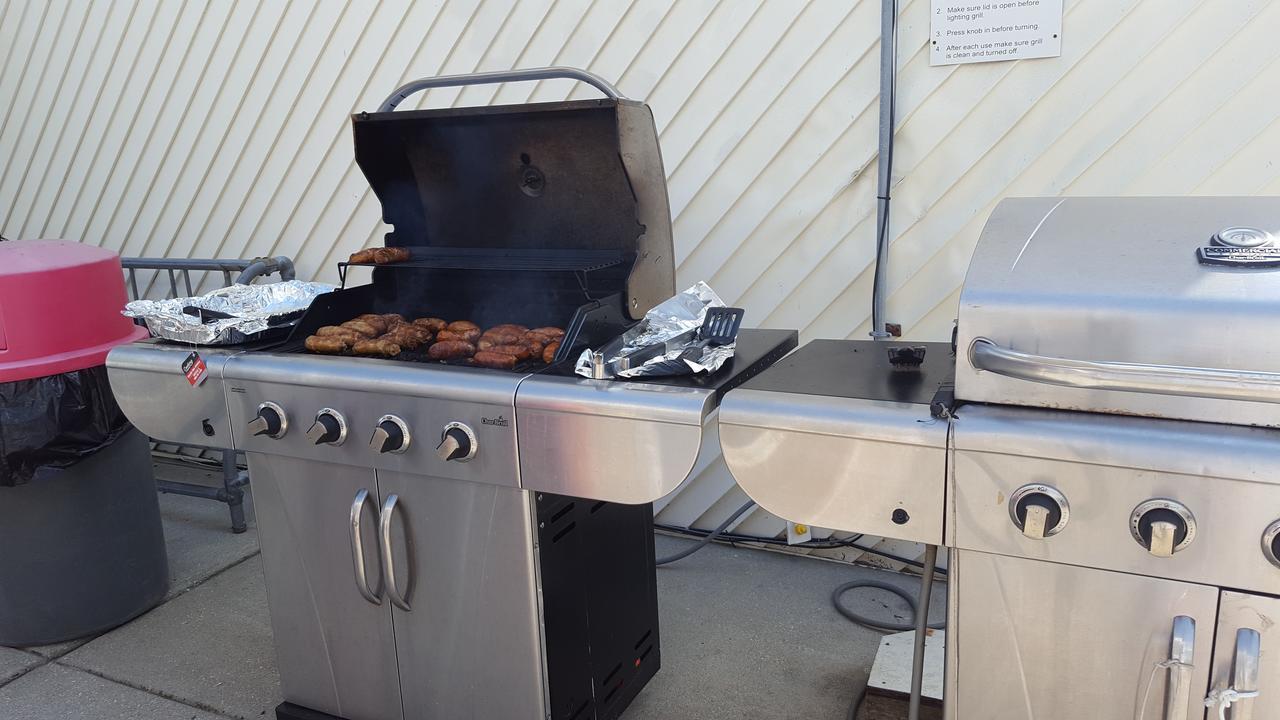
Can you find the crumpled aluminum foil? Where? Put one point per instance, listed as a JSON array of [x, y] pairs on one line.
[[255, 309], [668, 320]]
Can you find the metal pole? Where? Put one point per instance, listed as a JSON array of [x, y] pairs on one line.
[[888, 78], [922, 631]]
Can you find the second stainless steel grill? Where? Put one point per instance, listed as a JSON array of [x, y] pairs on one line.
[[1106, 474]]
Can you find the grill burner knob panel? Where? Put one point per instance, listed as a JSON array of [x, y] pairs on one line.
[[328, 429], [1271, 543], [1039, 511], [390, 436], [1162, 526], [457, 443], [270, 421]]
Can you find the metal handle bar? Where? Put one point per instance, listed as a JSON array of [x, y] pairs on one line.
[[500, 76], [388, 563], [1182, 645], [357, 547], [1132, 377]]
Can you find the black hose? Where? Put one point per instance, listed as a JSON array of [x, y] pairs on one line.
[[709, 537], [886, 625]]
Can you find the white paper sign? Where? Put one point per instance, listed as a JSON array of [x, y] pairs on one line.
[[963, 31]]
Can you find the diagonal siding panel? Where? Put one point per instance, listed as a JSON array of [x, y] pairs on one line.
[[161, 127]]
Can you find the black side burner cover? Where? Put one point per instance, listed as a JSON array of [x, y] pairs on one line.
[[861, 369], [539, 176]]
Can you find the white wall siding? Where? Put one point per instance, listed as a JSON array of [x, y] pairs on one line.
[[164, 128]]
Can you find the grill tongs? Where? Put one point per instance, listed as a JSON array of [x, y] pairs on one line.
[[719, 327]]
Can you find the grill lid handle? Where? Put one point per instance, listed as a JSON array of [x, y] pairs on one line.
[[501, 76], [1129, 377]]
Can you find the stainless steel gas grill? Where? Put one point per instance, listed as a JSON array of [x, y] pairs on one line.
[[1105, 467], [446, 541]]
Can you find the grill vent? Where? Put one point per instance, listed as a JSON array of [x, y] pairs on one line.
[[564, 531]]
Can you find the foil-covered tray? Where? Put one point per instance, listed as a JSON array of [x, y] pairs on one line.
[[230, 315], [656, 346]]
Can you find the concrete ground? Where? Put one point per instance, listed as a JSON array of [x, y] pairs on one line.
[[746, 635]]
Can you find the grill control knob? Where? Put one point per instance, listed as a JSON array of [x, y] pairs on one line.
[[1039, 511], [457, 442], [1271, 543], [328, 429], [271, 421], [390, 436], [1162, 526]]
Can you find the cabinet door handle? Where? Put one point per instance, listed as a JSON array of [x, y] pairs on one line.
[[357, 547], [1182, 646], [1233, 703], [388, 563]]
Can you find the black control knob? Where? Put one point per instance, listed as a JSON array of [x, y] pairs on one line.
[[1162, 526], [270, 421], [328, 429], [390, 436], [1039, 511], [457, 442]]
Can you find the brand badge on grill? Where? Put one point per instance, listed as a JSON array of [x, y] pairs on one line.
[[1241, 247], [499, 421]]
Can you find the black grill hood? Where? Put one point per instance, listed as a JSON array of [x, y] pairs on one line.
[[531, 183]]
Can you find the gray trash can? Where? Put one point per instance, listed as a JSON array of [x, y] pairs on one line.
[[81, 544]]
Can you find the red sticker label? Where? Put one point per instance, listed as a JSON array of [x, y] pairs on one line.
[[195, 369]]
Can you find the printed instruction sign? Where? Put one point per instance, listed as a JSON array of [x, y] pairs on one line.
[[964, 31]]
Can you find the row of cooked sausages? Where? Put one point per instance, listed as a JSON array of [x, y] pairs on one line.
[[501, 346]]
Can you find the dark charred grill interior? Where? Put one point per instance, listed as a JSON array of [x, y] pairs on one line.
[[532, 215]]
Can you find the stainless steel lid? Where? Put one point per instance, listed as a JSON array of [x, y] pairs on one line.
[[1164, 307]]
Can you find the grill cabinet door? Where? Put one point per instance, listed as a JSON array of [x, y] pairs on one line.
[[335, 649], [1042, 641], [1246, 654], [469, 644]]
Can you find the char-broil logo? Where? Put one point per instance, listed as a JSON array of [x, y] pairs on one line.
[[1241, 247], [499, 421]]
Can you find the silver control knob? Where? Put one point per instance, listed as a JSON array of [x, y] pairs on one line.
[[1039, 511], [457, 443], [270, 421], [1271, 543], [1162, 526], [329, 428], [390, 436]]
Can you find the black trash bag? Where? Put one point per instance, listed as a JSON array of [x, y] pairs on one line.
[[55, 421]]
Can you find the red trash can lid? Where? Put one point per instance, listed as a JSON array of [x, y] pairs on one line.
[[60, 306]]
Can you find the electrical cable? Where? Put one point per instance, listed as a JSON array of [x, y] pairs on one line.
[[708, 538], [811, 545], [885, 181]]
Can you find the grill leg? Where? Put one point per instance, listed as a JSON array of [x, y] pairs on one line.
[[232, 482]]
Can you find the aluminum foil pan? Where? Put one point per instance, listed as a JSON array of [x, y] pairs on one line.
[[230, 315], [675, 323]]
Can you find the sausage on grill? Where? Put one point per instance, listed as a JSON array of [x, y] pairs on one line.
[[362, 327], [376, 348], [362, 256], [451, 350], [388, 255], [468, 330], [510, 328], [406, 340], [336, 331], [377, 322], [496, 360], [328, 345], [433, 324], [519, 352], [549, 352]]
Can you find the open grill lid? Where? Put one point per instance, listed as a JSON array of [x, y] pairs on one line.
[[564, 186], [1163, 307]]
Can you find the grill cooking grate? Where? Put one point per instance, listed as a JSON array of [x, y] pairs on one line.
[[515, 259]]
